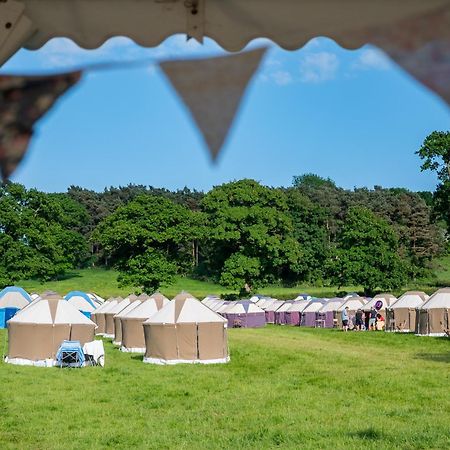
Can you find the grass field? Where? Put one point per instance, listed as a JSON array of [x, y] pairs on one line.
[[104, 283], [284, 388]]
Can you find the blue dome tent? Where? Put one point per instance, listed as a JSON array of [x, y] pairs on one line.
[[12, 299], [81, 301]]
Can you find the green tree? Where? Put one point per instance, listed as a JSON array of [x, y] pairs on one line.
[[34, 241], [149, 240], [435, 154], [250, 236], [367, 253]]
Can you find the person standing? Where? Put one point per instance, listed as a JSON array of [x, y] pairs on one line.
[[344, 317], [373, 318], [359, 319]]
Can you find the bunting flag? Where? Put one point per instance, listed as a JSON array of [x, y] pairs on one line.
[[23, 101], [212, 89], [420, 45]]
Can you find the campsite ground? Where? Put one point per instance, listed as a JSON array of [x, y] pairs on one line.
[[104, 282], [285, 387]]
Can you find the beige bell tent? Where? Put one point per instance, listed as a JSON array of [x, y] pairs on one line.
[[118, 323], [433, 317], [99, 309], [109, 316], [133, 340], [99, 315], [36, 333], [401, 315], [186, 331]]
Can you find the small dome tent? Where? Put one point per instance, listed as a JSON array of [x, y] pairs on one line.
[[133, 339], [186, 331], [401, 315], [36, 333], [433, 317], [82, 302], [12, 300]]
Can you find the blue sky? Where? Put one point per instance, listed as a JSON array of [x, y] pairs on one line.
[[353, 116]]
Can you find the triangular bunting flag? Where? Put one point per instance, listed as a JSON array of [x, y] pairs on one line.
[[212, 90], [23, 101], [420, 45]]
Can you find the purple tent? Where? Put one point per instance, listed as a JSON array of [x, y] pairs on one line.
[[244, 314], [280, 313], [270, 311], [309, 314], [293, 315], [327, 316]]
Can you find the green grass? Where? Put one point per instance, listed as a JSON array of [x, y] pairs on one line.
[[284, 388]]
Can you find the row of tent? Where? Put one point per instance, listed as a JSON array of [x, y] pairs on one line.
[[414, 311], [186, 330], [167, 332]]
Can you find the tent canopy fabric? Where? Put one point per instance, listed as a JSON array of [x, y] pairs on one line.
[[410, 299], [289, 23], [81, 301], [243, 307], [184, 310], [440, 299], [14, 297]]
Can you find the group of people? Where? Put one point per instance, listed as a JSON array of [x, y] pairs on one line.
[[363, 320]]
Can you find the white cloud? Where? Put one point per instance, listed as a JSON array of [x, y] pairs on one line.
[[318, 67], [282, 77], [372, 58]]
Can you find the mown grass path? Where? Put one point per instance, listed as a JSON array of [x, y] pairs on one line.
[[284, 388]]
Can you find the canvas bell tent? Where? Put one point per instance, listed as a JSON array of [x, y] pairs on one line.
[[401, 316], [82, 302], [186, 331], [117, 340], [109, 316], [12, 300], [133, 339], [433, 317], [244, 314], [99, 315], [36, 333]]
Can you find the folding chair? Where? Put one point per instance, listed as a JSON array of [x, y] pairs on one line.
[[70, 354]]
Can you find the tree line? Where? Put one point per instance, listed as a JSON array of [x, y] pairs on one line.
[[241, 234]]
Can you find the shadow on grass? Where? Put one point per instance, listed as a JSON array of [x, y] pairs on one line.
[[138, 357], [368, 434], [68, 276], [437, 357]]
